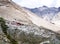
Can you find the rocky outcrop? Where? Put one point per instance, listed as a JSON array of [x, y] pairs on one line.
[[29, 34]]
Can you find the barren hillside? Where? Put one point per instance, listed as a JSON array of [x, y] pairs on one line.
[[13, 12], [20, 26]]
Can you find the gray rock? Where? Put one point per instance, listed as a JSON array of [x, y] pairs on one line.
[[32, 34]]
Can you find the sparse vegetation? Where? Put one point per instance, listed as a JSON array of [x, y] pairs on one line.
[[4, 29]]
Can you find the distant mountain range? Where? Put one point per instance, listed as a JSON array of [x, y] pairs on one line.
[[45, 12]]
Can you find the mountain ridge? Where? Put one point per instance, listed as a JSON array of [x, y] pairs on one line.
[[44, 11]]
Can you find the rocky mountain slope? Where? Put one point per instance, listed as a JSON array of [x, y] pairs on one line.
[[11, 11], [45, 12], [56, 19], [20, 26], [49, 14], [26, 34]]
